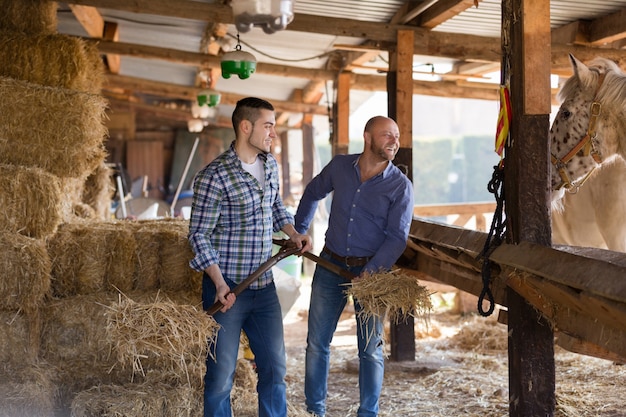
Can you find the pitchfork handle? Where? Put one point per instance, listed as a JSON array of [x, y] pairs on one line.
[[322, 262], [282, 253]]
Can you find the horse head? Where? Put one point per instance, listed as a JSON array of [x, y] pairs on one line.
[[586, 129]]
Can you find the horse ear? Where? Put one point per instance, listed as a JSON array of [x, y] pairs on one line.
[[581, 71]]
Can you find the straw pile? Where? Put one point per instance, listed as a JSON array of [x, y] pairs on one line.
[[92, 256], [29, 16], [26, 391], [24, 272], [58, 130], [162, 333], [392, 294], [30, 200], [52, 60]]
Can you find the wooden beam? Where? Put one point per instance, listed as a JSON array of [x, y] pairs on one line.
[[607, 29], [90, 19], [536, 53], [111, 33], [572, 33], [404, 93], [531, 338], [442, 11], [457, 46], [189, 93]]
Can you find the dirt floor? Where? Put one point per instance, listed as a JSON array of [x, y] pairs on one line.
[[460, 370]]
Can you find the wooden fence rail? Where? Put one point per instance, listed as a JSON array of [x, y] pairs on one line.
[[580, 291]]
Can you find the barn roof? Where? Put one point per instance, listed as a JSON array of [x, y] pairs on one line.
[[163, 46]]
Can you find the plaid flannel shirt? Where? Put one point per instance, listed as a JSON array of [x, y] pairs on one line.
[[233, 219]]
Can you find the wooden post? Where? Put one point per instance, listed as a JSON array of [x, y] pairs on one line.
[[284, 164], [341, 139], [308, 148], [400, 108], [526, 65]]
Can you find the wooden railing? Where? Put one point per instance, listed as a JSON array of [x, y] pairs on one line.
[[468, 215]]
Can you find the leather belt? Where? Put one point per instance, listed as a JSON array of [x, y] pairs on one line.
[[348, 261]]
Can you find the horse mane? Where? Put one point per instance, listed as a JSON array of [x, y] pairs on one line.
[[613, 90]]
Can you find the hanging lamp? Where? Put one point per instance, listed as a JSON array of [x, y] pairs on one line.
[[270, 15], [238, 62]]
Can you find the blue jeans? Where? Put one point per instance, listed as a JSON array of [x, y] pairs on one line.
[[258, 313], [328, 300]]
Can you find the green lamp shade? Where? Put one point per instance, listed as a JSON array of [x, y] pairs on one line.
[[241, 68], [239, 63], [209, 98]]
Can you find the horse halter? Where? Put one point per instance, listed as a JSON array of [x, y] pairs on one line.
[[587, 144]]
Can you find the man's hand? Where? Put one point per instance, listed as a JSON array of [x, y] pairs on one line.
[[302, 242], [222, 290], [225, 296]]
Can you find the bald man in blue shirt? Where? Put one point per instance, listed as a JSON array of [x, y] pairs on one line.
[[370, 217]]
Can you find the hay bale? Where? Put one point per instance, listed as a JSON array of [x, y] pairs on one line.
[[29, 16], [54, 60], [19, 343], [164, 256], [56, 129], [73, 329], [148, 255], [134, 400], [72, 191], [160, 333], [26, 391], [25, 272], [175, 274], [92, 256], [98, 192], [31, 201]]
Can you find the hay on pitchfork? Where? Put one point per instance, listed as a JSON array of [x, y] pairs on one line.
[[24, 272], [393, 294], [31, 201], [54, 60], [167, 334], [59, 130], [29, 16]]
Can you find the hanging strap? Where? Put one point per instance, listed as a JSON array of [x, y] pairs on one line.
[[494, 238]]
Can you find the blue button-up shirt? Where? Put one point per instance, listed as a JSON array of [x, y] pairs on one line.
[[370, 218], [233, 218]]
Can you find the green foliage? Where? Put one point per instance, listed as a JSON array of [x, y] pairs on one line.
[[447, 170]]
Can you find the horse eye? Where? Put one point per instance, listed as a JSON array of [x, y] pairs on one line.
[[566, 114]]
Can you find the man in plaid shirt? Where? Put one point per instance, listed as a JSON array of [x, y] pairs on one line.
[[235, 211]]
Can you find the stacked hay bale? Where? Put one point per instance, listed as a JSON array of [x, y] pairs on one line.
[[63, 265], [95, 267], [51, 138]]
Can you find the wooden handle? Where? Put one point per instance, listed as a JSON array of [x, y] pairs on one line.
[[282, 253], [321, 261]]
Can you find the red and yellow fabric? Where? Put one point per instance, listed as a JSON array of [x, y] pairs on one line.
[[504, 120]]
